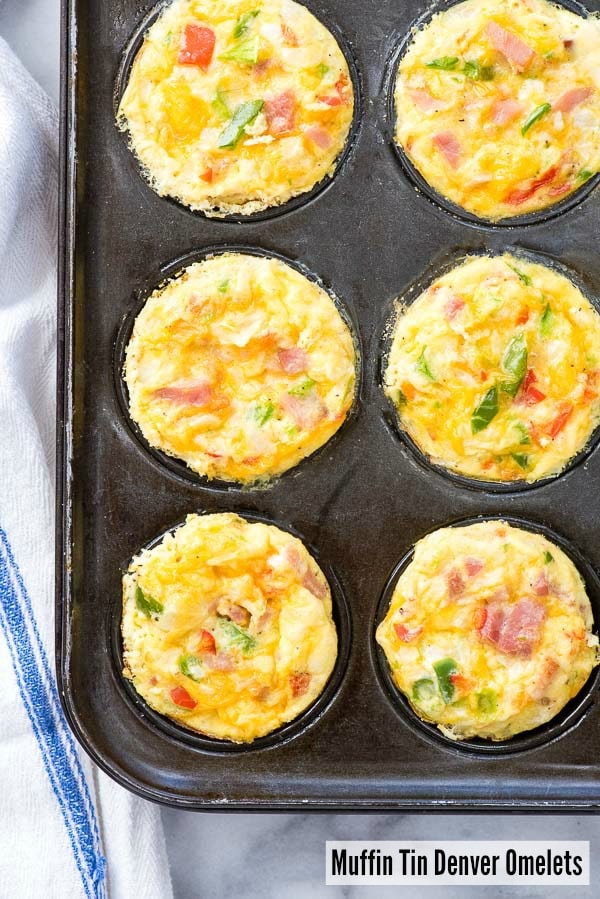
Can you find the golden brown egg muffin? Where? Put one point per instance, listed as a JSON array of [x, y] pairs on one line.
[[241, 366], [227, 627], [234, 106], [495, 370], [498, 103], [489, 631]]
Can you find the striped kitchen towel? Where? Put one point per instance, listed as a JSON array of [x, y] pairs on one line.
[[66, 830]]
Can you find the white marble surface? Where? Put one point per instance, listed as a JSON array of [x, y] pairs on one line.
[[282, 856]]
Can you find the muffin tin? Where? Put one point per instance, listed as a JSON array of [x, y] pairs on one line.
[[360, 503]]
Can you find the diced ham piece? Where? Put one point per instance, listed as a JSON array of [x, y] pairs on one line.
[[308, 578], [289, 35], [492, 622], [514, 50], [294, 559], [522, 627], [292, 360], [473, 566], [407, 634], [456, 584], [234, 612], [264, 619], [198, 393], [222, 661], [306, 411], [572, 98], [425, 100], [314, 585], [281, 112], [299, 682], [319, 136], [514, 629], [260, 68], [197, 46], [504, 111], [541, 587], [453, 307], [448, 145]]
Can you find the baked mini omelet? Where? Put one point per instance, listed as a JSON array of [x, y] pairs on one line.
[[489, 631], [241, 366], [227, 627], [233, 106], [498, 104], [495, 370]]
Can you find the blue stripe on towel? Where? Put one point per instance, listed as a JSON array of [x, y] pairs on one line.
[[57, 746]]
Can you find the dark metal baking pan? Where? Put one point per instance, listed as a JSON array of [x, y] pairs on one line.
[[362, 502]]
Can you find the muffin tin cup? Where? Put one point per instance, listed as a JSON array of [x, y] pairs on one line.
[[390, 414], [413, 174], [172, 464], [164, 727], [128, 58], [526, 741]]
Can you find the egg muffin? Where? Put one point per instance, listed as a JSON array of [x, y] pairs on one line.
[[241, 366], [497, 104], [495, 370], [489, 631], [236, 106], [227, 627]]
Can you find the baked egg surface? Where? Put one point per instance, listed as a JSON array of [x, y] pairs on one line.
[[241, 366], [494, 370], [498, 104], [236, 106], [227, 627], [489, 631]]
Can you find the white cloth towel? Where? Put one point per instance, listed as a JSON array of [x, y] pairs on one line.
[[66, 830]]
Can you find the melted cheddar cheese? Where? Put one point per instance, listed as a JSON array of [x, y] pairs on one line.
[[236, 106], [241, 366], [489, 631], [498, 104], [227, 627], [495, 370]]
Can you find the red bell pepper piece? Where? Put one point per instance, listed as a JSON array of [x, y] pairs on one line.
[[207, 642], [556, 426], [182, 698], [197, 46]]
